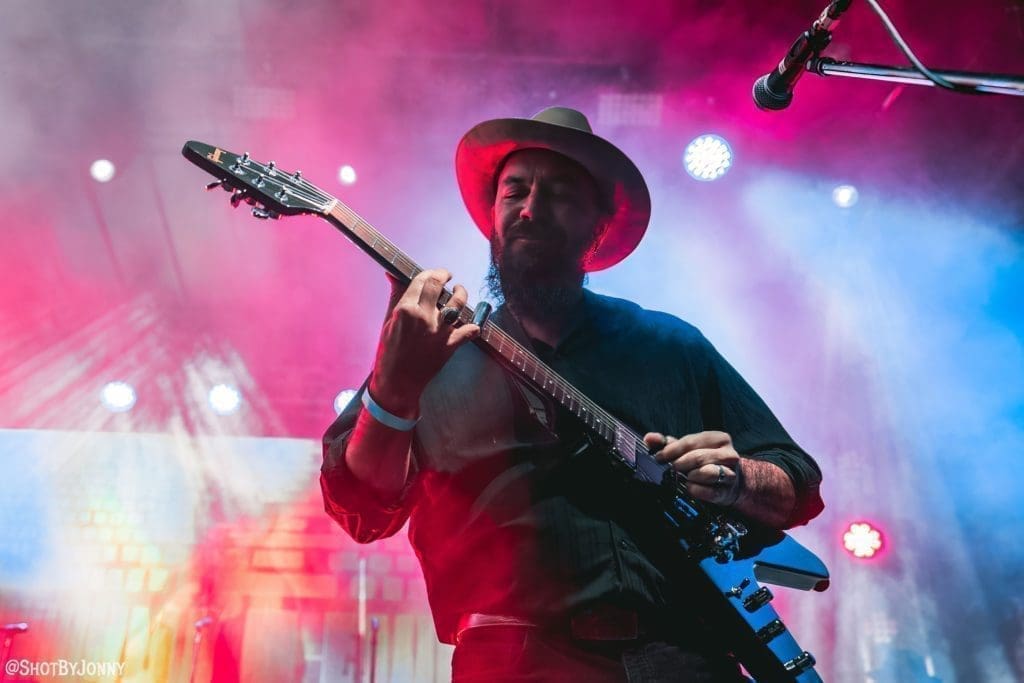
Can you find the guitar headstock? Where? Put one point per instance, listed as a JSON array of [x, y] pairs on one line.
[[270, 190]]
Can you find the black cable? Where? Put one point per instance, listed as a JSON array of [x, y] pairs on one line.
[[905, 49]]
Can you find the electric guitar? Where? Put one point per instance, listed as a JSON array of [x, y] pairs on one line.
[[731, 559]]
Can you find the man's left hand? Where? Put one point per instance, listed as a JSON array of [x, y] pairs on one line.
[[707, 460]]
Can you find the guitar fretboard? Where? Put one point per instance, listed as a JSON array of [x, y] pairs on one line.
[[525, 363]]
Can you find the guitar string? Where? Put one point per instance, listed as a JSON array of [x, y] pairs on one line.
[[529, 364], [621, 435], [310, 193]]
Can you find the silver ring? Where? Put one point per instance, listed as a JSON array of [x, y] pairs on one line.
[[721, 476], [450, 315]]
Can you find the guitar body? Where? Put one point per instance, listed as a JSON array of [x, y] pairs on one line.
[[728, 560], [756, 633], [728, 585]]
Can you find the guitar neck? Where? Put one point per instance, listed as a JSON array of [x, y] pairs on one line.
[[512, 354], [374, 243]]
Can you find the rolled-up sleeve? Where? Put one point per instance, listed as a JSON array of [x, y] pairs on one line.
[[731, 405], [361, 511]]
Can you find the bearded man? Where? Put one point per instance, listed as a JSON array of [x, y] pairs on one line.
[[540, 563]]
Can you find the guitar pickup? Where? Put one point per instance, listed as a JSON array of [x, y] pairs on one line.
[[758, 599], [800, 663], [772, 630]]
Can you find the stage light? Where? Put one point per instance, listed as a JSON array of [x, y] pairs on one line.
[[347, 175], [708, 157], [224, 399], [102, 170], [862, 540], [343, 398], [118, 397], [844, 196]]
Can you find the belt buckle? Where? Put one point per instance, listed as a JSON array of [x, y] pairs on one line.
[[605, 623], [474, 620]]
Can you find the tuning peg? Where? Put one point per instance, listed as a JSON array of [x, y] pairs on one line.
[[297, 175], [263, 213], [239, 196], [244, 159], [214, 185], [271, 168]]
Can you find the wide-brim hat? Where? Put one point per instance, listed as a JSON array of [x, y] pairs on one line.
[[483, 150]]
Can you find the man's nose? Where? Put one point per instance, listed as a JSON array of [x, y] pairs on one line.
[[533, 206]]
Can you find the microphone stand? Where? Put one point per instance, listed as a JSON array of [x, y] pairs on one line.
[[998, 84], [197, 640], [374, 626], [9, 631]]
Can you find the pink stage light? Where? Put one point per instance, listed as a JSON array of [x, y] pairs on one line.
[[707, 157], [102, 170], [343, 398], [862, 540], [118, 397], [225, 399], [346, 175]]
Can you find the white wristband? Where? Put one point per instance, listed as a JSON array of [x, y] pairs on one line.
[[384, 417]]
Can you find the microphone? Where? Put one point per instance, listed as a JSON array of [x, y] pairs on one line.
[[774, 90], [14, 628]]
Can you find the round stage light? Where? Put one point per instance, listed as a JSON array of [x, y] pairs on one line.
[[102, 170], [845, 196], [224, 399], [343, 398], [708, 157], [118, 397], [862, 540], [346, 175]]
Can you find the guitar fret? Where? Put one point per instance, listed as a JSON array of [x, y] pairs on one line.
[[532, 368]]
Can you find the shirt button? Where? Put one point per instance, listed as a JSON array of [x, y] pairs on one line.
[[624, 544]]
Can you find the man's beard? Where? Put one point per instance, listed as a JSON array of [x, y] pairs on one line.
[[536, 283]]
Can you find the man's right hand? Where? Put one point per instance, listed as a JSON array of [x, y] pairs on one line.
[[415, 341]]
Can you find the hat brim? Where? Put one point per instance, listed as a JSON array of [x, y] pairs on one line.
[[483, 149]]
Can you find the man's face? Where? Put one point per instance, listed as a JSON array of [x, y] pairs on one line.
[[547, 213]]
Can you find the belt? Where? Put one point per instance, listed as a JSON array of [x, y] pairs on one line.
[[597, 623]]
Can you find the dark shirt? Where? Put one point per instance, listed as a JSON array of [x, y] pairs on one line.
[[505, 519]]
